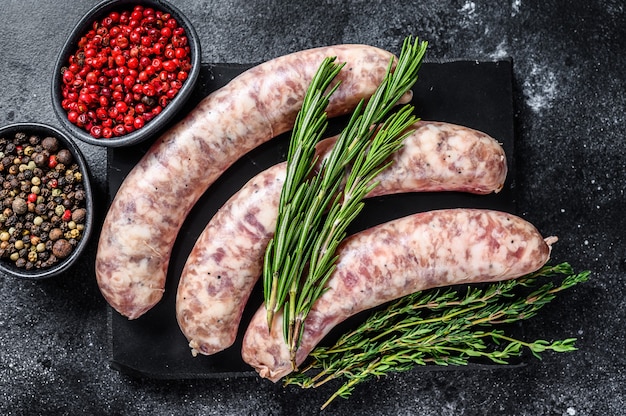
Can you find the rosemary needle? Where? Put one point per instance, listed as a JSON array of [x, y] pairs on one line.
[[309, 127], [301, 256]]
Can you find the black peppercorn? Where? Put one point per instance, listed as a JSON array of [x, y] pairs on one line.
[[19, 206], [64, 156], [40, 209], [40, 159], [79, 195], [20, 137], [61, 248], [51, 144], [38, 200], [78, 216], [55, 234]]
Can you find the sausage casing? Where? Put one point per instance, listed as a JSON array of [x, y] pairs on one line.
[[417, 252], [150, 206], [227, 258]]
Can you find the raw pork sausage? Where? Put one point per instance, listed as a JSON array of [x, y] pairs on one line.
[[149, 208], [227, 258], [417, 252]]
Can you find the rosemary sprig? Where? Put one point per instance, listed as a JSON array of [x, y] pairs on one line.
[[441, 327], [310, 125], [349, 204], [301, 257]]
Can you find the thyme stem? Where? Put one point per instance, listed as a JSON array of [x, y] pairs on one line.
[[451, 327]]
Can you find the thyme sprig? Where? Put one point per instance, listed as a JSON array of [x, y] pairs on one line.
[[301, 256], [441, 327]]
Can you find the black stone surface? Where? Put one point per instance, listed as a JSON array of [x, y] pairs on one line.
[[476, 94], [569, 82]]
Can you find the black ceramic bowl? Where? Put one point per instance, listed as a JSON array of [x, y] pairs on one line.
[[9, 267], [157, 124]]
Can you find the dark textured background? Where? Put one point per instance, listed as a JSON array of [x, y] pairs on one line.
[[569, 60]]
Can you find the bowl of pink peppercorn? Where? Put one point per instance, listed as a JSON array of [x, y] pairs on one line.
[[125, 72]]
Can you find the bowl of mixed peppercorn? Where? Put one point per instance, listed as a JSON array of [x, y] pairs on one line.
[[46, 211], [125, 72]]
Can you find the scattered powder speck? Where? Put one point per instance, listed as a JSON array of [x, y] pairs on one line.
[[540, 89], [469, 8], [515, 7], [468, 11], [571, 411], [501, 51]]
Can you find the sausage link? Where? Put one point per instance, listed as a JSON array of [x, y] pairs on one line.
[[226, 260], [417, 252], [150, 206]]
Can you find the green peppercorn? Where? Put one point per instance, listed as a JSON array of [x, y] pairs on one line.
[[58, 210], [35, 200], [73, 233]]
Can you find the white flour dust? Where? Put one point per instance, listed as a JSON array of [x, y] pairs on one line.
[[501, 52], [540, 89], [515, 7], [468, 12], [468, 9]]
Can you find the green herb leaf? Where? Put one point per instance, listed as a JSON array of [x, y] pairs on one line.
[[450, 327], [301, 256]]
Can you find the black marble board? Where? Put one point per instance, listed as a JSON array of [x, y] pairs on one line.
[[471, 93]]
